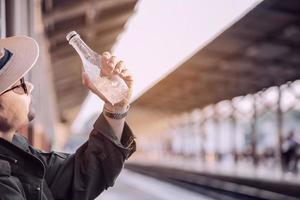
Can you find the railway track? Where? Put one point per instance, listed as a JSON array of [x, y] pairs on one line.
[[221, 187]]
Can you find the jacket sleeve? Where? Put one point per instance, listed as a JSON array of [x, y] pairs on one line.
[[93, 168]]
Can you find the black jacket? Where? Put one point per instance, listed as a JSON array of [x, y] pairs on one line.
[[28, 173]]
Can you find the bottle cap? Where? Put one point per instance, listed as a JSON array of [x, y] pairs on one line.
[[71, 34]]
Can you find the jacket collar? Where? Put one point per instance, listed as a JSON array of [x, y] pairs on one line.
[[21, 142], [18, 142]]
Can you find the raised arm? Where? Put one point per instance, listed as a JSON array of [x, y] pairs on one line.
[[93, 168]]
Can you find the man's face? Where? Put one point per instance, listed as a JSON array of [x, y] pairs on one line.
[[16, 107]]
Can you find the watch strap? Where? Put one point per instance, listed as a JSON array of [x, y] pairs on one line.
[[116, 115]]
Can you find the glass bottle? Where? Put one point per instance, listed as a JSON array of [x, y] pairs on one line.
[[113, 87]]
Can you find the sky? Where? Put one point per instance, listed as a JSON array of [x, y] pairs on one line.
[[161, 35]]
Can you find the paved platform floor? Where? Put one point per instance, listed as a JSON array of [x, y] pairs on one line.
[[133, 186]]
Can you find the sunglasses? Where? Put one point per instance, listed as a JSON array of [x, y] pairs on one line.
[[22, 88]]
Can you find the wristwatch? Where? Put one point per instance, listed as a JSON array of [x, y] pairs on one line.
[[116, 115]]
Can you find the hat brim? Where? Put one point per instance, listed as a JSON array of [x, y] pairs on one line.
[[25, 52]]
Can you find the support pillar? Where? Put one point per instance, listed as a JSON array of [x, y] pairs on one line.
[[279, 117], [254, 132], [234, 134]]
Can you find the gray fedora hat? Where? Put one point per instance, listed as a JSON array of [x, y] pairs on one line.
[[18, 54]]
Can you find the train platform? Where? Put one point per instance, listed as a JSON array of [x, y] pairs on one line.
[[135, 186], [221, 186]]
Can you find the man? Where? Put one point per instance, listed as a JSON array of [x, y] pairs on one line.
[[28, 173]]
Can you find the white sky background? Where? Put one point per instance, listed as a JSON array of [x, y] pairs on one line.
[[163, 34]]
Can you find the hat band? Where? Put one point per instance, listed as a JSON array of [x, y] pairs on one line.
[[5, 58]]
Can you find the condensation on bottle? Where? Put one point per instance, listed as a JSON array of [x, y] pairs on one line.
[[112, 87]]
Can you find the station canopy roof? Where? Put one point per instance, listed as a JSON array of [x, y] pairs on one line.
[[260, 50]]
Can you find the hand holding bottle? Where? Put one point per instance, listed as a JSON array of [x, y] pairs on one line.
[[110, 66], [112, 88]]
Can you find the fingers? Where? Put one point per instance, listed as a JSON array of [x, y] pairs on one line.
[[124, 73], [121, 70], [127, 77], [105, 57], [110, 66], [112, 63], [108, 63], [119, 67]]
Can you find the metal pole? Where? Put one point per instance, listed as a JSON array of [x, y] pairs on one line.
[[202, 136], [217, 134], [234, 133], [254, 134], [279, 128]]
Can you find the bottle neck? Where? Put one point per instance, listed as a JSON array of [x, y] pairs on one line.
[[82, 49]]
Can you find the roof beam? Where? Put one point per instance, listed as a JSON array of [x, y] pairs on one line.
[[98, 27], [84, 7]]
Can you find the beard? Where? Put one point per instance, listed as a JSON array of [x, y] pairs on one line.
[[4, 125], [12, 121]]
